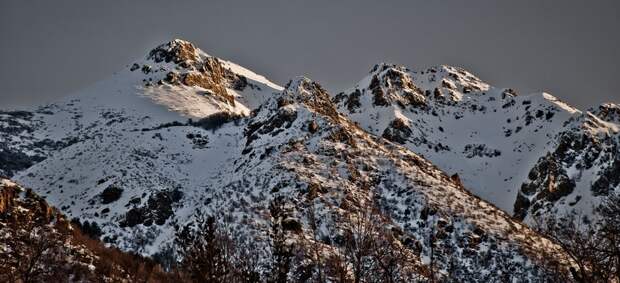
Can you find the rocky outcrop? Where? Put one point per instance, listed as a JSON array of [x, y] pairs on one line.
[[207, 74], [177, 51], [158, 208], [608, 179], [378, 96], [393, 85], [397, 131], [548, 182], [588, 147], [311, 94], [480, 150], [351, 101], [195, 69], [111, 194]]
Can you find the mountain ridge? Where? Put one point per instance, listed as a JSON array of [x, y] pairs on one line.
[[181, 134], [453, 118]]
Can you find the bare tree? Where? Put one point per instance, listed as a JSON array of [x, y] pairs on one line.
[[431, 245], [373, 252], [33, 249], [312, 251], [245, 261], [35, 255], [390, 257], [593, 247], [204, 251], [609, 232], [280, 250], [359, 242]]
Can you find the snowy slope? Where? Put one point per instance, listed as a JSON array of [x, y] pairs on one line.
[[490, 137]]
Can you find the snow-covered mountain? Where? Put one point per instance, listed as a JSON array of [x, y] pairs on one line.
[[181, 133], [173, 83], [491, 137]]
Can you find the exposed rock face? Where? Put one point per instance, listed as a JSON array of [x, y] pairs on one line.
[[480, 150], [313, 127], [111, 194], [299, 91], [548, 183], [397, 132], [311, 94], [397, 80], [193, 68], [608, 180], [590, 147], [388, 85], [392, 85], [177, 51], [378, 96], [158, 209], [239, 82], [208, 74], [351, 101]]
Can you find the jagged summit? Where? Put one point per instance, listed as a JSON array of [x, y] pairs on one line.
[[450, 80], [460, 123], [184, 79], [392, 85], [177, 51], [380, 67], [179, 67], [298, 83], [300, 92], [447, 76], [304, 89]]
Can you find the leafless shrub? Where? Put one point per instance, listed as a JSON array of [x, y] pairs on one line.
[[593, 247]]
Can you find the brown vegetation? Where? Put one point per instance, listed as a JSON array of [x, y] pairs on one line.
[[39, 244]]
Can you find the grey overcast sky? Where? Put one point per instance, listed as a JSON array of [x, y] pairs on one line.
[[571, 49]]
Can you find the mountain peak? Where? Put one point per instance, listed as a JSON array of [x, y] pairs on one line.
[[305, 88], [176, 50], [448, 69], [308, 92], [380, 67], [455, 77], [302, 85]]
